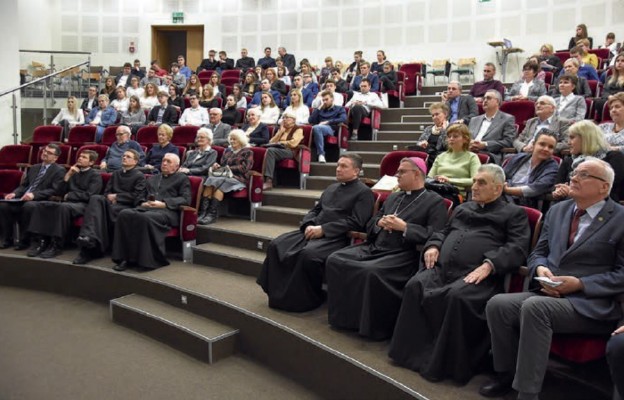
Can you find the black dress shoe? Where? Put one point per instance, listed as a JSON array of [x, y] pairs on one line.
[[37, 248], [86, 242], [498, 387], [22, 245], [122, 266], [6, 243], [82, 258], [53, 250]]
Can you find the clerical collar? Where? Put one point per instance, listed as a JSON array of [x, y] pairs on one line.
[[490, 204], [349, 182], [415, 191]]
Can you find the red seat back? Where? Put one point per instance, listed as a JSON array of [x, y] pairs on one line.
[[390, 162], [109, 136], [45, 134], [100, 149], [9, 180], [593, 86], [230, 73], [64, 159], [81, 134], [147, 135], [522, 110], [13, 154], [204, 76], [413, 73], [184, 135]]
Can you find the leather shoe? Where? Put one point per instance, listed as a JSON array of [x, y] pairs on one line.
[[37, 248], [22, 245], [498, 387], [6, 243], [122, 266], [85, 242], [82, 258]]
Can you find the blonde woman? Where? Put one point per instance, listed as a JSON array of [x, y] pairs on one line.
[[193, 86], [268, 108], [150, 98], [69, 117], [297, 107]]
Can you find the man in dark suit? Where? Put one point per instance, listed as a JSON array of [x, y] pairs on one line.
[[224, 62], [365, 74], [463, 107], [123, 78], [220, 131], [90, 101], [545, 119], [267, 61], [37, 185], [210, 63], [245, 62], [494, 130], [580, 259], [288, 60], [164, 113]]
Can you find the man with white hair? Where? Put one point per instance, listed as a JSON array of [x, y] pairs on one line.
[[546, 118], [220, 131], [441, 330], [139, 238], [494, 130], [575, 272]]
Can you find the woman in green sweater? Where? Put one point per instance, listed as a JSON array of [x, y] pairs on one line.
[[457, 165]]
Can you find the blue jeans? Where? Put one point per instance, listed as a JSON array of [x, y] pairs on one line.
[[319, 132]]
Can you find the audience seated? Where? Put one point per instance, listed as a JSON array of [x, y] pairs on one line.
[[330, 86], [121, 102], [365, 73], [151, 78], [239, 159], [584, 70], [224, 62], [249, 84], [387, 77], [580, 246], [288, 59], [210, 64], [193, 87], [614, 131], [292, 273], [178, 78], [270, 111], [479, 88], [494, 130], [462, 107], [134, 117], [283, 145], [587, 57], [361, 105], [342, 86], [533, 173], [137, 70], [265, 87], [433, 138], [237, 93], [150, 97], [245, 62], [134, 89], [113, 160], [257, 133], [184, 69], [326, 120], [175, 100], [581, 33], [90, 101], [51, 221], [570, 105], [545, 118], [208, 99], [166, 192], [276, 84], [157, 152], [365, 282], [306, 93], [267, 61], [69, 117], [462, 267], [377, 66], [109, 87], [194, 115], [527, 88], [101, 117], [123, 79], [163, 113], [354, 68], [326, 70], [456, 166], [615, 358], [614, 85], [220, 131], [231, 115], [548, 60], [200, 159]]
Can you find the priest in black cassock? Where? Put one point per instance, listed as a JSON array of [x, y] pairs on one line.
[[292, 274], [441, 329], [365, 282], [125, 189], [140, 232], [51, 221]]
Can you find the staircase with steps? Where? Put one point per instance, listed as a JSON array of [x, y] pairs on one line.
[[240, 245]]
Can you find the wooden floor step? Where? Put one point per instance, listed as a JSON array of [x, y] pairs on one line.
[[196, 336], [229, 257], [281, 215]]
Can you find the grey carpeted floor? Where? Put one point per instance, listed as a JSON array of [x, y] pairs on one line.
[[55, 347]]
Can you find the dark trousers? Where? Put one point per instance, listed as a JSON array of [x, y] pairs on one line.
[[615, 357], [272, 156], [357, 113], [15, 212]]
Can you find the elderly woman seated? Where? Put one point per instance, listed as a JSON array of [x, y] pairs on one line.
[[456, 166], [569, 105], [587, 140], [530, 175], [198, 161], [433, 138], [527, 88], [284, 144], [238, 158], [614, 130], [155, 155]]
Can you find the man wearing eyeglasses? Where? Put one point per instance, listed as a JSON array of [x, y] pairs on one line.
[[195, 115], [220, 131], [365, 282], [463, 107], [38, 184], [479, 88], [342, 86], [580, 261], [112, 161], [545, 118]]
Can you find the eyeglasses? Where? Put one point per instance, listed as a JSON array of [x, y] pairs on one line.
[[403, 171], [50, 153], [582, 175]]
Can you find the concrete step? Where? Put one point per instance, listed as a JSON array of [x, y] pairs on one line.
[[372, 157], [421, 101], [433, 89], [244, 234], [319, 182], [282, 215], [399, 136], [196, 336], [304, 199], [401, 126], [384, 146], [329, 169], [230, 258], [397, 114]]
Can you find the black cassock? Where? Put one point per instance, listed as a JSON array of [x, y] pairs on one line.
[[292, 274], [100, 217], [140, 232], [53, 218], [441, 330], [365, 282]]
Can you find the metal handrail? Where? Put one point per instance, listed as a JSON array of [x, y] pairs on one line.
[[43, 78]]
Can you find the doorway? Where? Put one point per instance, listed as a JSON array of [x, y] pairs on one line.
[[170, 41]]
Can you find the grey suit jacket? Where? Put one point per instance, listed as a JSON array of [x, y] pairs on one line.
[[466, 109], [560, 126], [538, 89], [499, 135], [596, 257], [220, 134], [574, 110]]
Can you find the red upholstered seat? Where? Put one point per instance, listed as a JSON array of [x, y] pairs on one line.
[[147, 136], [204, 76], [13, 154], [253, 192], [390, 163], [305, 157], [109, 136], [9, 180], [521, 109], [100, 149], [413, 78], [593, 86], [184, 135], [398, 95], [230, 73]]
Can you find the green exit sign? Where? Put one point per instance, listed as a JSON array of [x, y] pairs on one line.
[[177, 17], [484, 1]]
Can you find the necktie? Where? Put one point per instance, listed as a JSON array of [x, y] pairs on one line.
[[574, 225], [38, 178]]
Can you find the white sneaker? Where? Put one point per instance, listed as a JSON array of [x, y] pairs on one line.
[[322, 159]]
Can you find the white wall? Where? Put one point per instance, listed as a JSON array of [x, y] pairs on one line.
[[407, 29], [9, 32]]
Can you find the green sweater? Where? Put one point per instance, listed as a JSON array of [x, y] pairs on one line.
[[460, 168]]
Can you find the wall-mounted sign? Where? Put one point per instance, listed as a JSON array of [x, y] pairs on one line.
[[177, 17]]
